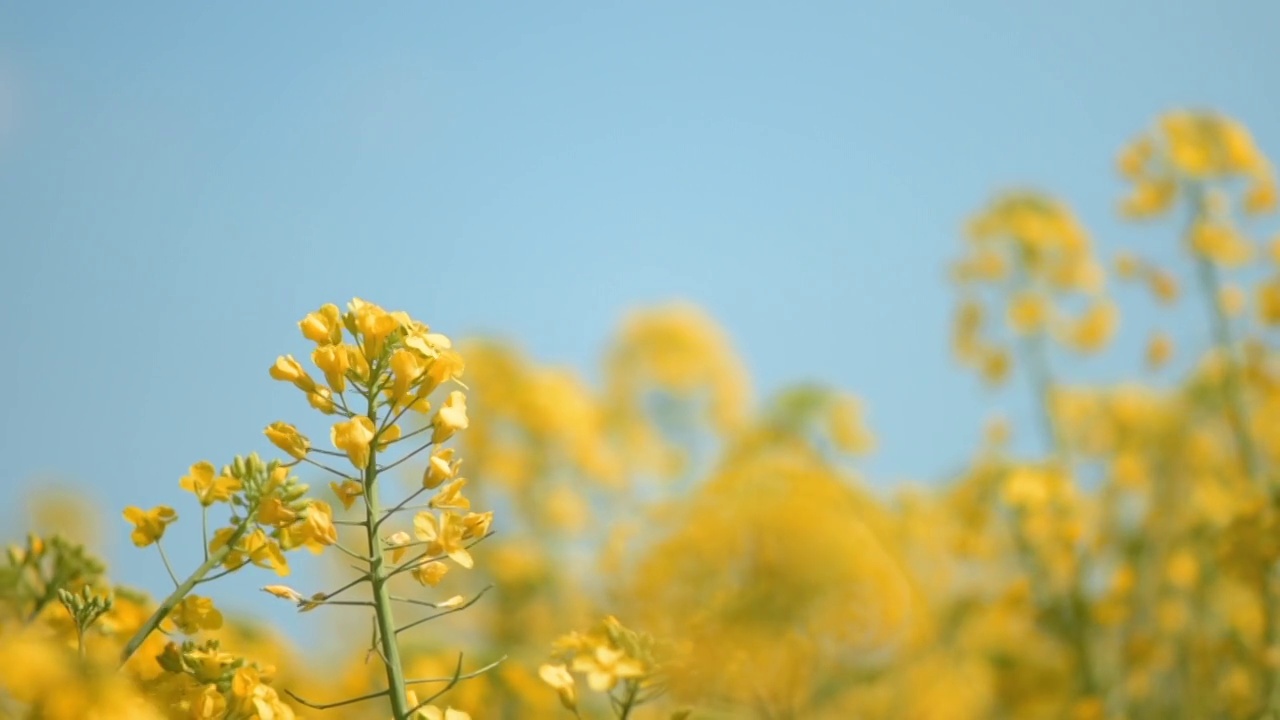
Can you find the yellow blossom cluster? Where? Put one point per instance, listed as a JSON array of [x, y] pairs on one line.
[[1028, 254]]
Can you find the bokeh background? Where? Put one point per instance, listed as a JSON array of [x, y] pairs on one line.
[[179, 183]]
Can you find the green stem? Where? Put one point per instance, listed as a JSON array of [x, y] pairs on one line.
[[215, 559], [1232, 383], [1233, 403], [1036, 356], [1232, 386], [165, 559], [633, 688], [379, 577]]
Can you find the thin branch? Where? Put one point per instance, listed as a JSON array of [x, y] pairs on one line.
[[401, 506], [450, 611], [457, 675], [322, 466], [385, 468], [330, 453], [419, 431], [221, 574], [340, 703], [389, 420], [411, 601], [421, 506], [351, 553], [468, 676], [346, 587], [305, 605], [165, 559]]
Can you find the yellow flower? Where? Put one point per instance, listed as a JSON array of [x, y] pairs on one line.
[[1134, 158], [1128, 267], [389, 435], [440, 467], [209, 665], [323, 327], [1151, 196], [321, 398], [450, 418], [1220, 244], [1239, 151], [347, 492], [451, 498], [287, 438], [1025, 489], [1182, 570], [235, 556], [605, 666], [317, 531], [333, 361], [1261, 197], [1094, 329], [284, 592], [209, 488], [1028, 313], [149, 525], [444, 367], [353, 437], [1159, 350], [559, 678], [206, 703], [245, 681], [1269, 302], [406, 370], [358, 363], [419, 337], [265, 552], [289, 370], [373, 324], [1163, 286], [444, 536], [398, 544], [195, 613], [274, 512], [430, 573], [475, 525], [995, 365]]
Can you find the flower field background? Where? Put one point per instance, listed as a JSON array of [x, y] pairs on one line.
[[1130, 572], [433, 524]]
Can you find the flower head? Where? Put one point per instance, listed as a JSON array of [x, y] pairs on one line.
[[149, 525]]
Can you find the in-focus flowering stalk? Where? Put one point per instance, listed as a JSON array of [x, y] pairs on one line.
[[392, 366]]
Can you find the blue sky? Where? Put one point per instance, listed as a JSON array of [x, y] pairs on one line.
[[180, 182]]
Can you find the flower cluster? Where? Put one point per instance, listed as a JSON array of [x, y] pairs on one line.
[[614, 660], [1029, 254], [381, 369]]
